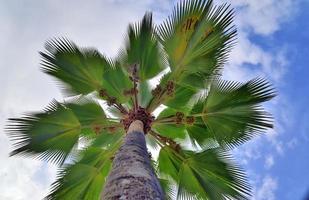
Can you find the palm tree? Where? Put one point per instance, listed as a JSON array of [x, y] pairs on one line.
[[98, 135]]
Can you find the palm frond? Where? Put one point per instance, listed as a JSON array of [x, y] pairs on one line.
[[169, 128], [144, 51], [115, 82], [88, 111], [231, 113], [210, 174], [172, 94], [197, 38], [85, 178], [181, 98], [142, 48], [80, 69], [144, 93], [168, 188], [152, 142], [49, 135], [92, 118], [107, 139]]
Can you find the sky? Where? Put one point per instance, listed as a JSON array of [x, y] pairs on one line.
[[272, 43]]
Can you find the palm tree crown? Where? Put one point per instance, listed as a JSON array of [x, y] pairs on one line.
[[203, 119]]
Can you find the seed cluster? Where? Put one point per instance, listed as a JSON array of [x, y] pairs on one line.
[[190, 120], [179, 117], [157, 91], [170, 87], [109, 99], [98, 128], [171, 143], [129, 92], [134, 73], [139, 114]]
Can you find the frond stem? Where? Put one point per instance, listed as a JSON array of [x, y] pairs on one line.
[[166, 141]]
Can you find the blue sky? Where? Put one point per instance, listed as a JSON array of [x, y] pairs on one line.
[[272, 43], [289, 168]]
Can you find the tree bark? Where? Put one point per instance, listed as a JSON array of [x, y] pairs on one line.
[[132, 176]]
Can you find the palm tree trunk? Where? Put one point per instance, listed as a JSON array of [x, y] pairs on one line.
[[132, 176]]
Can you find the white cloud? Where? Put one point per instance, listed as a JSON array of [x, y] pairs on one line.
[[249, 60], [267, 189], [269, 161], [19, 176], [264, 16]]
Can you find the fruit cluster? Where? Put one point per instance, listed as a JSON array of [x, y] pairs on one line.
[[190, 120], [170, 87], [98, 128], [129, 92], [109, 99], [157, 91], [134, 73], [179, 117], [139, 114]]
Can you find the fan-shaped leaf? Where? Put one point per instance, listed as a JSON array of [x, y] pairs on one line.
[[88, 112], [116, 81], [144, 94], [170, 128], [81, 69], [197, 38], [169, 163], [167, 187], [231, 112], [143, 49], [173, 95], [206, 175], [180, 100], [85, 178], [49, 135]]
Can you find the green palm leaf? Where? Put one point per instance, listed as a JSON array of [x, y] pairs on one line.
[[115, 82], [167, 187], [172, 94], [169, 128], [230, 113], [85, 178], [87, 111], [92, 118], [84, 70], [197, 39], [53, 134], [107, 139], [81, 69], [206, 175], [187, 51], [142, 48], [49, 135], [181, 99], [144, 93]]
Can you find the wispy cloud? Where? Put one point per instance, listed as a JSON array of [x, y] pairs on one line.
[[264, 17], [269, 161], [267, 189]]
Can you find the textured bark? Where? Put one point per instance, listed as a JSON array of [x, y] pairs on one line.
[[132, 176]]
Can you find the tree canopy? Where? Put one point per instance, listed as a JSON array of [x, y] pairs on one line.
[[203, 119]]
